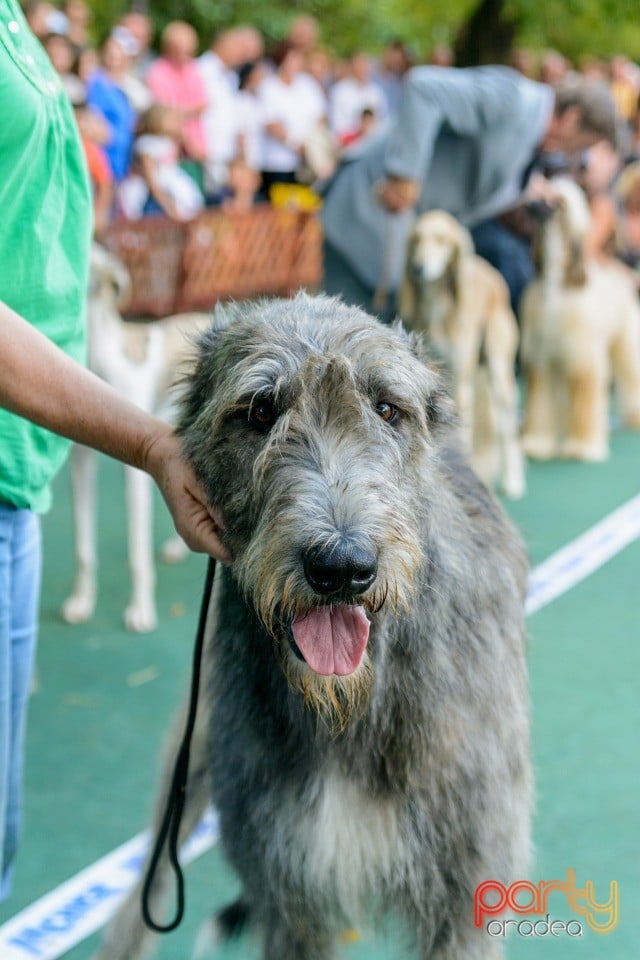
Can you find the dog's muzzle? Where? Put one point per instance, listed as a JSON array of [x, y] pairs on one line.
[[346, 570], [331, 636]]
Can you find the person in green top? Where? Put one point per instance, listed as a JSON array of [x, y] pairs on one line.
[[49, 399]]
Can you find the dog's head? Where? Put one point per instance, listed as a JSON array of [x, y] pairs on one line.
[[437, 247], [313, 428], [559, 235]]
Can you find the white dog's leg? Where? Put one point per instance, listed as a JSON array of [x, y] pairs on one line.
[[80, 605], [587, 430], [506, 405], [539, 439], [464, 369], [486, 454], [625, 363], [141, 614]]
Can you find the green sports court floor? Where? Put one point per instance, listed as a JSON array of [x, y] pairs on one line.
[[105, 696]]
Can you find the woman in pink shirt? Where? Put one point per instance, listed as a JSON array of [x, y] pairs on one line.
[[174, 81]]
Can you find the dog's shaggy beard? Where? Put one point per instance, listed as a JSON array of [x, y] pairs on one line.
[[280, 596], [336, 701]]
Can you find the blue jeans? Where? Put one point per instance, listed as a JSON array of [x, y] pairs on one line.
[[20, 573], [508, 253]]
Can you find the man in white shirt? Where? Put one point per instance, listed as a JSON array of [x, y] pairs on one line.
[[357, 92], [293, 103], [218, 70]]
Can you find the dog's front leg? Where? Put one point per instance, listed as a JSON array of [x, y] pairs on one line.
[[587, 429], [141, 614], [506, 405], [80, 605], [539, 438]]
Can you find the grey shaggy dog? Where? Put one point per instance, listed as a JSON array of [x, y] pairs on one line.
[[364, 733]]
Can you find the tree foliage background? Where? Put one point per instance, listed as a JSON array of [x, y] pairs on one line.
[[578, 28]]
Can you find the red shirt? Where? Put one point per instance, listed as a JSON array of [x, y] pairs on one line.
[[97, 163]]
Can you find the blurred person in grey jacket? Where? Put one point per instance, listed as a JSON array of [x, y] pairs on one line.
[[464, 140]]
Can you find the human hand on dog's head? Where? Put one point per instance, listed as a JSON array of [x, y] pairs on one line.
[[198, 523]]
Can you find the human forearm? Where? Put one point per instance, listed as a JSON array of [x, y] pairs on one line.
[[38, 381]]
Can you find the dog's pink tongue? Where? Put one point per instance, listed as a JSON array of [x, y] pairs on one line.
[[332, 639]]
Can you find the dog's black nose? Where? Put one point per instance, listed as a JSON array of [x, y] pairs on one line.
[[345, 569]]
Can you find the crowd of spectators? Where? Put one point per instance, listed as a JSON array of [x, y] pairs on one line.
[[168, 132], [171, 131]]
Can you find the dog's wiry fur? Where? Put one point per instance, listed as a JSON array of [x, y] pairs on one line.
[[460, 304], [404, 785]]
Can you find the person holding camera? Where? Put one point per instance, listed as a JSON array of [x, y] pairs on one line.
[[464, 140]]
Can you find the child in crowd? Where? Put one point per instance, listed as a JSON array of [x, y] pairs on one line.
[[242, 185], [158, 184], [367, 125], [94, 133]]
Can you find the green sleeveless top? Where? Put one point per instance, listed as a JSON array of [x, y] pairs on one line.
[[45, 236]]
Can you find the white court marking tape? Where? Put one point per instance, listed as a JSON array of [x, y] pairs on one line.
[[77, 908], [73, 911], [573, 563]]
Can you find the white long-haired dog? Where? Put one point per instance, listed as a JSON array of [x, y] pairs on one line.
[[460, 303], [140, 360], [580, 333]]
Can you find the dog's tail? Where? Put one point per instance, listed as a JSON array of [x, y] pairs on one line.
[[226, 924]]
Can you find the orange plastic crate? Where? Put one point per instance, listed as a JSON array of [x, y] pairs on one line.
[[220, 255]]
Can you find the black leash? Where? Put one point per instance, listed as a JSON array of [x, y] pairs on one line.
[[170, 826]]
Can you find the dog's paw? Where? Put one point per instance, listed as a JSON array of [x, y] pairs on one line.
[[514, 487], [174, 550], [538, 446], [513, 482], [141, 617], [79, 607], [595, 452]]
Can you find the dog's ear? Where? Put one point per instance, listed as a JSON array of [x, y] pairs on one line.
[[462, 249], [536, 247], [200, 372], [406, 297], [439, 407], [222, 317], [575, 274]]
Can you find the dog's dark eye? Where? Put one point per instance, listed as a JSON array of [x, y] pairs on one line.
[[387, 412], [263, 413]]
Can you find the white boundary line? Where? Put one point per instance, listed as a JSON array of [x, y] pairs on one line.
[[582, 556], [77, 908], [55, 923]]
